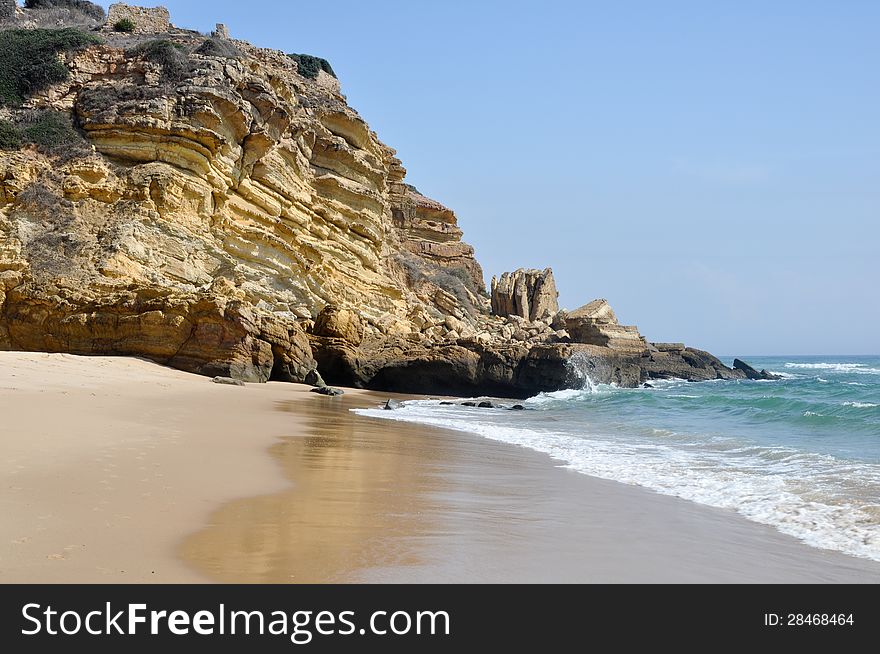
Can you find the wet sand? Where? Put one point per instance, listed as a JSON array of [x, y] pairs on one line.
[[119, 470], [382, 501]]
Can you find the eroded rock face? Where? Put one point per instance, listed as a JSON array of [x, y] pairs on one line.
[[234, 218], [529, 294], [596, 324], [233, 178], [202, 333], [336, 322], [511, 369], [431, 232]]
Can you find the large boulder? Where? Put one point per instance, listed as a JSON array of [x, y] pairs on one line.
[[337, 322], [596, 324], [529, 294]]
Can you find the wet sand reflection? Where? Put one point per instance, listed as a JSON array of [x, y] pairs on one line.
[[360, 498]]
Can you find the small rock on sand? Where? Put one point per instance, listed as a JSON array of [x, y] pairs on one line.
[[228, 381]]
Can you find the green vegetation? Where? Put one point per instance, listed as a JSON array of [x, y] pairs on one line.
[[125, 25], [171, 56], [218, 48], [310, 66], [10, 136], [30, 61], [90, 9], [50, 131]]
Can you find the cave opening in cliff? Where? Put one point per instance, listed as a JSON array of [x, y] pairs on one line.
[[280, 369]]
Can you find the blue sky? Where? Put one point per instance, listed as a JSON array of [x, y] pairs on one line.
[[711, 168]]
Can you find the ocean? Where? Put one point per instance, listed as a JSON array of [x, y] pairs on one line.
[[801, 454]]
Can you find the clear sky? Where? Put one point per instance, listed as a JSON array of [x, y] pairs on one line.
[[711, 168]]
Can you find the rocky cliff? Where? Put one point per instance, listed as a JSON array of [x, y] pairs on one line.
[[220, 208]]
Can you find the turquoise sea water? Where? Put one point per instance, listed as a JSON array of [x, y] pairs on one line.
[[801, 454]]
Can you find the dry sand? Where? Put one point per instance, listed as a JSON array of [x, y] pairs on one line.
[[119, 470], [106, 463]]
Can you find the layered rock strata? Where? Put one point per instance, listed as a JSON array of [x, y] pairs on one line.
[[596, 324], [226, 212]]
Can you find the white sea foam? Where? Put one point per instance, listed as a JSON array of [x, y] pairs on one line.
[[858, 368], [570, 394], [861, 405], [771, 485], [785, 375]]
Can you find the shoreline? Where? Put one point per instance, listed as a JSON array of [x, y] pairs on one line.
[[106, 457], [379, 501]]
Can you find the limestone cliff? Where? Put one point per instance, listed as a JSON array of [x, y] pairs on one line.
[[226, 196], [220, 208]]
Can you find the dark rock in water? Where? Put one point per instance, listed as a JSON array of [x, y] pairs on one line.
[[486, 405], [647, 385], [313, 378], [751, 373], [517, 407], [392, 405], [469, 404], [447, 404], [327, 390], [229, 381], [472, 369]]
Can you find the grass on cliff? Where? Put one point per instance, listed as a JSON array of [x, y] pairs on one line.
[[172, 57], [31, 63], [52, 132], [310, 66], [10, 136]]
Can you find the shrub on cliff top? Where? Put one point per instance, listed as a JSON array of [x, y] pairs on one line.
[[30, 60], [310, 66], [90, 9], [171, 56], [218, 48]]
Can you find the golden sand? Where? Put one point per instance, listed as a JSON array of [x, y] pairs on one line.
[[119, 470]]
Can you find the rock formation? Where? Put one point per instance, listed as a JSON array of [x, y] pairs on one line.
[[596, 324], [529, 294], [751, 373], [221, 209]]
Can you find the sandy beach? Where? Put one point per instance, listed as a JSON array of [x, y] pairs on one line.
[[120, 470]]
